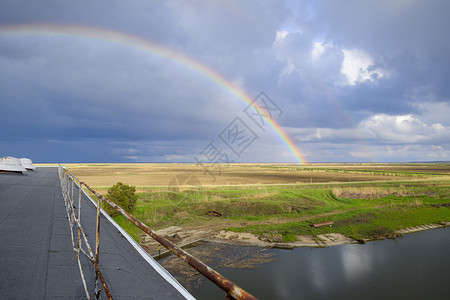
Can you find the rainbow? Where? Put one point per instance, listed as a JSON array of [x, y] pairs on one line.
[[154, 48]]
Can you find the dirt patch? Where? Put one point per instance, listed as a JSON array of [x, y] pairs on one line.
[[356, 220], [181, 215], [333, 239], [422, 227], [238, 238], [375, 193], [441, 205], [186, 237], [180, 236]]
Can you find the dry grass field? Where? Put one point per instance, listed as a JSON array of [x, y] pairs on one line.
[[143, 175]]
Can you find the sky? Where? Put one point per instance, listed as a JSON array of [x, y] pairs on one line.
[[172, 81]]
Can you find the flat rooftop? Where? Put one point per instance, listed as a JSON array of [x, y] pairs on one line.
[[37, 260]]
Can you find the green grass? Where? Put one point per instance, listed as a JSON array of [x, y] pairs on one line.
[[129, 227], [360, 210], [289, 237], [360, 224], [392, 206]]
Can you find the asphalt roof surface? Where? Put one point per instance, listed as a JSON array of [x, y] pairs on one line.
[[37, 260]]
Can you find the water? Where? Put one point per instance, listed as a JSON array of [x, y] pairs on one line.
[[415, 266]]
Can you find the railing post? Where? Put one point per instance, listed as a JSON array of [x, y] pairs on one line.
[[97, 247], [68, 190]]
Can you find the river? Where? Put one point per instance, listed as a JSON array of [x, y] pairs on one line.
[[415, 266]]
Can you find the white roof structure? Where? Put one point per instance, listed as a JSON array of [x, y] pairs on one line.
[[11, 164], [27, 163]]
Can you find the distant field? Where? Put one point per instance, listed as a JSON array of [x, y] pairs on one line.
[[163, 175], [280, 200]]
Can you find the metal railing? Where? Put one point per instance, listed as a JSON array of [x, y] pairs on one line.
[[68, 182], [232, 290]]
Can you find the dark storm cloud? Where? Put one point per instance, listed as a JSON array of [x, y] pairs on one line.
[[155, 20], [407, 36], [371, 71], [410, 26], [83, 90]]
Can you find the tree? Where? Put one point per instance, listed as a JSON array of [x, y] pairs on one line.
[[123, 195]]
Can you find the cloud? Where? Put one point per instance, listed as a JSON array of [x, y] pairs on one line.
[[380, 128], [175, 158], [402, 153], [358, 65], [132, 157], [380, 137], [403, 129], [318, 50]]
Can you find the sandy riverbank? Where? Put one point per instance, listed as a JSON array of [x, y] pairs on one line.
[[185, 237]]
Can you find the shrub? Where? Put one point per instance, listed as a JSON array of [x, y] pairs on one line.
[[123, 195]]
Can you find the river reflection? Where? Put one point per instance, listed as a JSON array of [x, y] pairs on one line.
[[416, 266]]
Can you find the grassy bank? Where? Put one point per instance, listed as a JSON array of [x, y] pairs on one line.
[[361, 224], [394, 198], [360, 211]]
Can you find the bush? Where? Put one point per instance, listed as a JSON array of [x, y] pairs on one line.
[[123, 195]]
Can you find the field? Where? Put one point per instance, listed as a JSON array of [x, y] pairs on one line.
[[279, 202]]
